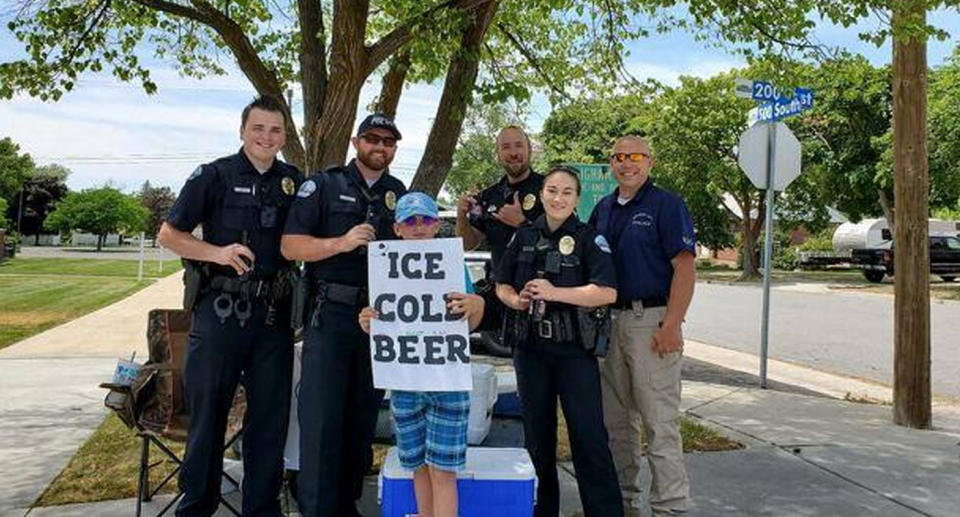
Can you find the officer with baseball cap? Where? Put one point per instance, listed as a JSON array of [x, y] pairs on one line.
[[335, 215]]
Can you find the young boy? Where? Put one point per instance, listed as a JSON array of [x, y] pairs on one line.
[[431, 425]]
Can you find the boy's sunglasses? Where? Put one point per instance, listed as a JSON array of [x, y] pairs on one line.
[[633, 157], [426, 220]]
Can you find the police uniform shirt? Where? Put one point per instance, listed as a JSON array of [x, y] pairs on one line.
[[501, 193], [645, 234], [232, 200], [330, 203], [588, 262]]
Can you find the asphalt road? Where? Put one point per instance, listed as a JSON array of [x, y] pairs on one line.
[[845, 333]]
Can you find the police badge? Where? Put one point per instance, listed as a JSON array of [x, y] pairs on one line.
[[528, 201], [390, 199], [567, 244], [288, 186]]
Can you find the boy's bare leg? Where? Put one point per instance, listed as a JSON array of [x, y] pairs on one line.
[[423, 491], [444, 492]]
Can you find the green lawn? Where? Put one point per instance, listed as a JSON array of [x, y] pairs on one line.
[[106, 468], [86, 267], [42, 293]]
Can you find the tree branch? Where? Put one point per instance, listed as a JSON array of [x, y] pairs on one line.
[[534, 61], [389, 43], [175, 9], [263, 79]]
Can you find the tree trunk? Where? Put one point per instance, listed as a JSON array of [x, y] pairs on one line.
[[751, 268], [392, 85], [348, 64], [457, 91], [911, 328], [100, 239], [748, 247], [313, 75]]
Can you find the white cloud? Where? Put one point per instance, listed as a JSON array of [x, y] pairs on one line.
[[107, 131]]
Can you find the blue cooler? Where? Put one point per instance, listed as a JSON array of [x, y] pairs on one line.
[[508, 400], [496, 481]]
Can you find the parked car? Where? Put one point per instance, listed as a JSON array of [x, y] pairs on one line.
[[944, 259]]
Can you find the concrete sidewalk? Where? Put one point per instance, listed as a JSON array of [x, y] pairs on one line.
[[807, 452], [803, 456], [51, 402]]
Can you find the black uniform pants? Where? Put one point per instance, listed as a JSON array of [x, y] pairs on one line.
[[542, 377], [217, 355], [338, 413]]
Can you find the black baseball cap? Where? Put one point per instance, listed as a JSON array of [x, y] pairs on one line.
[[378, 121]]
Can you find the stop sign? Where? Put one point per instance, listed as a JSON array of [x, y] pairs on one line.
[[753, 155]]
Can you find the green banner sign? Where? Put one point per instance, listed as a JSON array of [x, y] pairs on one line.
[[596, 181]]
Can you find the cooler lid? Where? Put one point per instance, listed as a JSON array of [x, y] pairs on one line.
[[484, 463]]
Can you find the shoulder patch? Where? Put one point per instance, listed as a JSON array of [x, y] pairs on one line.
[[602, 243], [196, 173], [307, 188]]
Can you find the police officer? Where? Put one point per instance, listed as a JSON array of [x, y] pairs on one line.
[[652, 237], [553, 275], [335, 216], [497, 211], [237, 286]]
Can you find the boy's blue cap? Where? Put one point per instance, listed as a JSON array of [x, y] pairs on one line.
[[416, 203]]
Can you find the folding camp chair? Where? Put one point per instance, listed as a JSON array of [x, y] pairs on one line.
[[154, 406]]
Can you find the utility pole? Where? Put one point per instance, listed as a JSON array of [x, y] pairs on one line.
[[911, 383]]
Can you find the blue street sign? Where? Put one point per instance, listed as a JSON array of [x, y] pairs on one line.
[[782, 108], [764, 91]]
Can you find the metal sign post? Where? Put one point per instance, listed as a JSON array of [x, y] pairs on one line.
[[771, 163], [767, 253]]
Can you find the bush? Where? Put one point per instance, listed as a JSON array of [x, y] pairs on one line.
[[823, 241], [785, 258]]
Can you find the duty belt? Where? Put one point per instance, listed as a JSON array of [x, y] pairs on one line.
[[644, 303], [342, 293], [244, 287], [556, 326]]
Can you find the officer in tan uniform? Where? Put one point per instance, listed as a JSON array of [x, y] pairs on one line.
[[652, 238]]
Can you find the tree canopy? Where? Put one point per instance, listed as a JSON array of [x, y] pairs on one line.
[[98, 211]]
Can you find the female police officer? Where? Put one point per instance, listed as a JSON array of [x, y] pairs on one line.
[[550, 272]]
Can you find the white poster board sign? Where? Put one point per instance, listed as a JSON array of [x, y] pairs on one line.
[[414, 343]]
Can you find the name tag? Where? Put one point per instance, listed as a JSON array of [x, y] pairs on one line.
[[348, 198], [243, 190]]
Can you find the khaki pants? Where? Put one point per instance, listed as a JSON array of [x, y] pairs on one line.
[[641, 390]]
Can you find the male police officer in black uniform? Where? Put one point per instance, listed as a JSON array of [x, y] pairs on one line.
[[497, 212], [239, 282], [336, 214]]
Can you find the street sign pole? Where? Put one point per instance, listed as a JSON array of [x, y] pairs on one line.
[[767, 252], [759, 160]]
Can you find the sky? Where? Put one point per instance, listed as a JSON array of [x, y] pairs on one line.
[[110, 132]]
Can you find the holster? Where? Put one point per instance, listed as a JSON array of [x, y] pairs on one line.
[[516, 327], [300, 289], [193, 276], [595, 325]]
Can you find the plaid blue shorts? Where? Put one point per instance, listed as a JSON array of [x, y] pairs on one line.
[[431, 428]]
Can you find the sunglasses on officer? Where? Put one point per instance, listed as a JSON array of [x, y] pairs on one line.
[[416, 220], [372, 139], [633, 157]]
